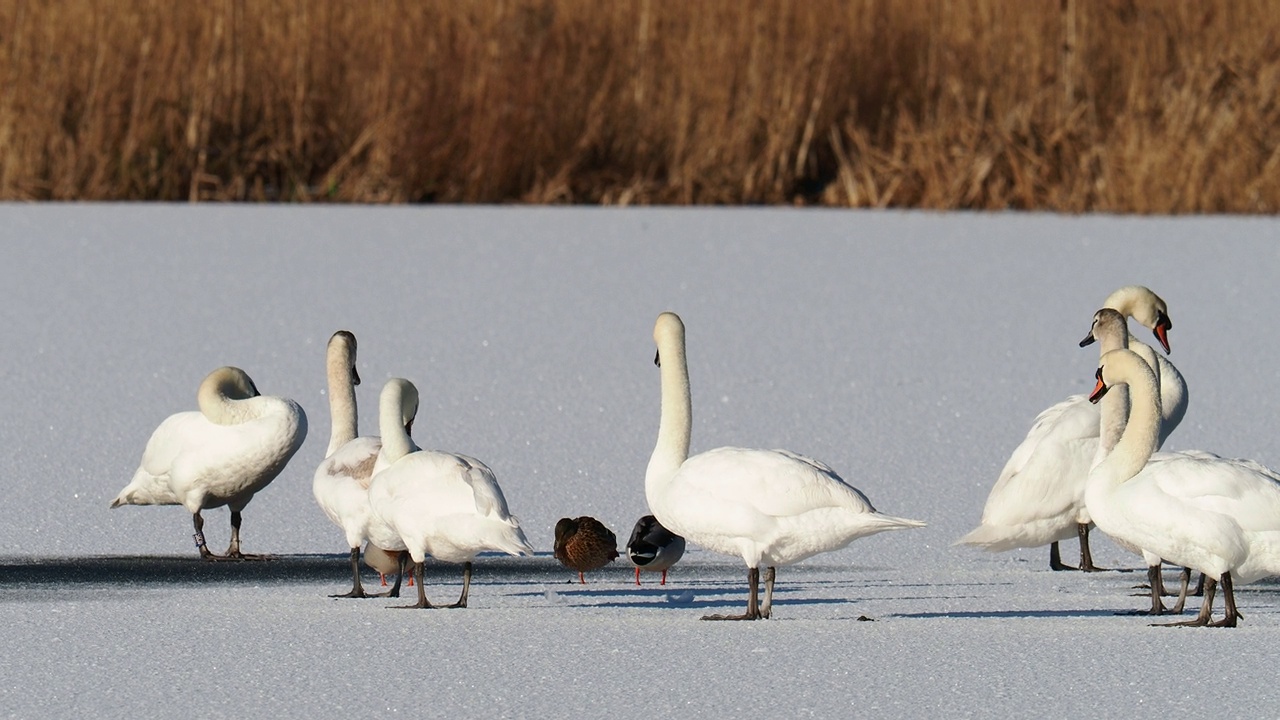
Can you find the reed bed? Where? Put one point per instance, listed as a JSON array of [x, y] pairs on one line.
[[1142, 106]]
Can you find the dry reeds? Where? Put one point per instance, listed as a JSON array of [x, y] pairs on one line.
[[1075, 105]]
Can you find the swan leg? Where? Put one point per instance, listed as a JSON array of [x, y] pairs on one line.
[[1206, 608], [357, 589], [233, 550], [1157, 591], [753, 607], [466, 586], [770, 574], [422, 593], [1182, 592], [198, 522], [1086, 557], [1232, 615], [1199, 587], [1055, 558]]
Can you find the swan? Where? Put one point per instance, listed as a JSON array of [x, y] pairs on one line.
[[341, 483], [446, 505], [653, 547], [584, 544], [1038, 498], [765, 506], [1201, 511], [233, 447]]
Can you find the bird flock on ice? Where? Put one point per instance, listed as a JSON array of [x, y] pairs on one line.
[[1088, 461]]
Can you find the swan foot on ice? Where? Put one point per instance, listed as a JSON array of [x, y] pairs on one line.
[[753, 607], [1232, 615], [1086, 557], [422, 592], [770, 574], [466, 587], [233, 550]]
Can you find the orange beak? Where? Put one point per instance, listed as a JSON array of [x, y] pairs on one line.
[[1098, 390], [1163, 325]]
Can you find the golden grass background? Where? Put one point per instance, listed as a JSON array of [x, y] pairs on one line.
[[1114, 105]]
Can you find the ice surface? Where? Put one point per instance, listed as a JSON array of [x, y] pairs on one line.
[[910, 351]]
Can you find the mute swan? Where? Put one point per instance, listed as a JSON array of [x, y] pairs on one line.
[[765, 506], [446, 505], [584, 544], [1039, 497], [653, 547], [1201, 511], [341, 484], [233, 447]]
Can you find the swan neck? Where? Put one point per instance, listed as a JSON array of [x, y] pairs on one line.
[[672, 448], [224, 400], [1141, 434], [396, 442], [342, 403]]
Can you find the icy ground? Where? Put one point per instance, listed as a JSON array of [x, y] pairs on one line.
[[908, 350]]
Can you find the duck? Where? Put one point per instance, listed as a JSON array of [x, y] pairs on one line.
[[584, 544], [223, 454], [653, 547], [768, 507], [341, 483], [446, 505], [1211, 514], [387, 563], [1038, 499]]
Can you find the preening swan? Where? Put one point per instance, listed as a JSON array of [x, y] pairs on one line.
[[1038, 498], [236, 444], [765, 506], [1201, 511], [446, 505], [341, 484], [654, 548]]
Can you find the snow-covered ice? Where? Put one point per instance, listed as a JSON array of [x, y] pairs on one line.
[[910, 351]]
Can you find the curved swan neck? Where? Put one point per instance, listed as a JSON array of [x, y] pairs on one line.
[[1142, 432], [672, 447], [225, 394], [1139, 303], [396, 408], [342, 394]]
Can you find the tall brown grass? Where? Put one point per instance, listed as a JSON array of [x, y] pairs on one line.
[[1074, 105]]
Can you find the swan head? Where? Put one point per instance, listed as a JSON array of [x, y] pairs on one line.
[[343, 345], [1108, 324], [400, 397], [1119, 367], [668, 332], [1146, 307], [231, 383]]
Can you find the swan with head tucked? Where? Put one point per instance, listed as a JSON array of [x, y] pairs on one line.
[[341, 483], [433, 503], [1038, 498], [769, 507], [654, 548], [233, 447], [1201, 511]]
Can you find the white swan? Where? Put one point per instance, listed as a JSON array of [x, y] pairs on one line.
[[1201, 511], [341, 483], [232, 448], [446, 505], [1038, 498], [765, 506]]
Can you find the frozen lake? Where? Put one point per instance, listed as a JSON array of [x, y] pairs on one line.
[[910, 351]]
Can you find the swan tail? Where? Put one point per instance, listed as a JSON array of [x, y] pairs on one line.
[[514, 542], [998, 538], [889, 522]]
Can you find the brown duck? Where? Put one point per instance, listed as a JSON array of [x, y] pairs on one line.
[[584, 544]]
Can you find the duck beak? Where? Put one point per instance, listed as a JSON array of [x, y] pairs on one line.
[[1162, 328], [1098, 390]]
